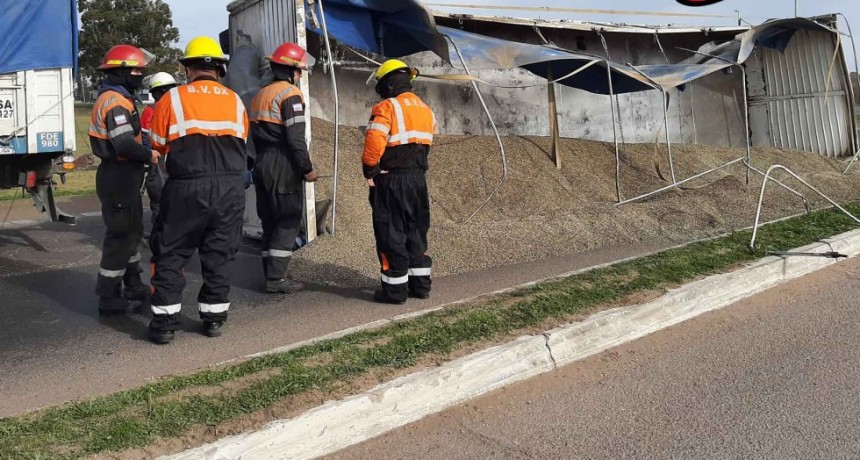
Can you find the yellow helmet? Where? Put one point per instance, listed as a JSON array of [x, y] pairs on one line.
[[204, 48], [389, 66]]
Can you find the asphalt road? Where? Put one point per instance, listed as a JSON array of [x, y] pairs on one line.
[[775, 376], [54, 347]]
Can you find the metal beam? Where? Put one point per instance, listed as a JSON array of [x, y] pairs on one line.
[[546, 9]]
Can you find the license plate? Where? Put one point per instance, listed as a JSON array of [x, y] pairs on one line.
[[7, 109]]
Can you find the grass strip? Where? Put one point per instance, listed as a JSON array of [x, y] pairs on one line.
[[138, 417], [78, 183]]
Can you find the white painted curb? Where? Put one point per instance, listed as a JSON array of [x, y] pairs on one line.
[[340, 424]]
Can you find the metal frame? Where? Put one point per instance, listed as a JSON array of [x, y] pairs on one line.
[[761, 199], [495, 130], [746, 160], [336, 121], [665, 108]]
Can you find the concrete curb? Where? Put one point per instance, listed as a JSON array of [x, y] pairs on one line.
[[340, 424]]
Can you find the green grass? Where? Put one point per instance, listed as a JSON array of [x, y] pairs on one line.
[[82, 125], [138, 417], [77, 182], [82, 182]]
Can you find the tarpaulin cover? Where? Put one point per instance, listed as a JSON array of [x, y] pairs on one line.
[[774, 34], [38, 34], [391, 28], [669, 76], [483, 52]]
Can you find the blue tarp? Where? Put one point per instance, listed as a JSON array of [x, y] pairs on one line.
[[393, 28], [483, 52], [38, 34], [669, 76]]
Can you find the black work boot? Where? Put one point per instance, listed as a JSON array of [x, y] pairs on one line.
[[212, 328], [381, 297], [135, 290], [160, 336], [283, 286], [419, 295], [114, 305]]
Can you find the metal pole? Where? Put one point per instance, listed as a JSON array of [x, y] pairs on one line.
[[669, 187], [850, 82], [761, 199], [336, 119], [665, 119], [665, 104], [748, 161], [553, 119], [693, 114], [614, 131], [495, 130]]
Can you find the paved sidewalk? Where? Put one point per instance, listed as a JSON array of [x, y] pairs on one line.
[[54, 348]]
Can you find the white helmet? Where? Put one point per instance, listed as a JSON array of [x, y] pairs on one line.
[[160, 79]]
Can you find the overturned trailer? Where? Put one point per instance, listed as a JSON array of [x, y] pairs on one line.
[[797, 86]]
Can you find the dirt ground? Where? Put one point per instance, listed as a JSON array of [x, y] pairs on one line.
[[541, 211]]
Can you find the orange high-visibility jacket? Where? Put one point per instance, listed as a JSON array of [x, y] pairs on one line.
[[202, 128], [278, 119], [396, 122], [115, 129]]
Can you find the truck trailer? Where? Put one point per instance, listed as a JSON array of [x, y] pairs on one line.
[[38, 62]]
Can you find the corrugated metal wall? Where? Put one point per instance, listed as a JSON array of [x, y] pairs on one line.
[[269, 22], [799, 98]]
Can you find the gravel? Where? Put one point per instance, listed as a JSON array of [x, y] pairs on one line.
[[541, 211]]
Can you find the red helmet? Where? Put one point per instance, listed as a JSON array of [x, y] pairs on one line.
[[292, 55], [125, 56]]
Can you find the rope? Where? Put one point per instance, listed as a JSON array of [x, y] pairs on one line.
[[472, 78], [11, 205]]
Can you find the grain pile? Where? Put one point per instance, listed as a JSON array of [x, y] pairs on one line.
[[542, 212]]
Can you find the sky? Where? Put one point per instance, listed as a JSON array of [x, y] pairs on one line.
[[209, 17]]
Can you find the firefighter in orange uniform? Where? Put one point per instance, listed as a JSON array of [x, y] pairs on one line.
[[201, 128], [115, 137], [278, 130], [396, 149]]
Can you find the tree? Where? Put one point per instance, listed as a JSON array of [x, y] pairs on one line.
[[146, 24]]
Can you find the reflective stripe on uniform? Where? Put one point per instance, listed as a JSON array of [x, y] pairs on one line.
[[178, 112], [97, 126], [182, 125], [398, 114], [240, 116], [271, 112], [294, 120], [378, 127], [419, 271], [403, 136], [280, 253], [98, 129], [166, 309], [157, 138], [111, 273], [120, 130], [183, 128], [390, 280], [214, 308]]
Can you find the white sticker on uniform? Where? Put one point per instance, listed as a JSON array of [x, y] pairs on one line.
[[120, 119], [297, 108]]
